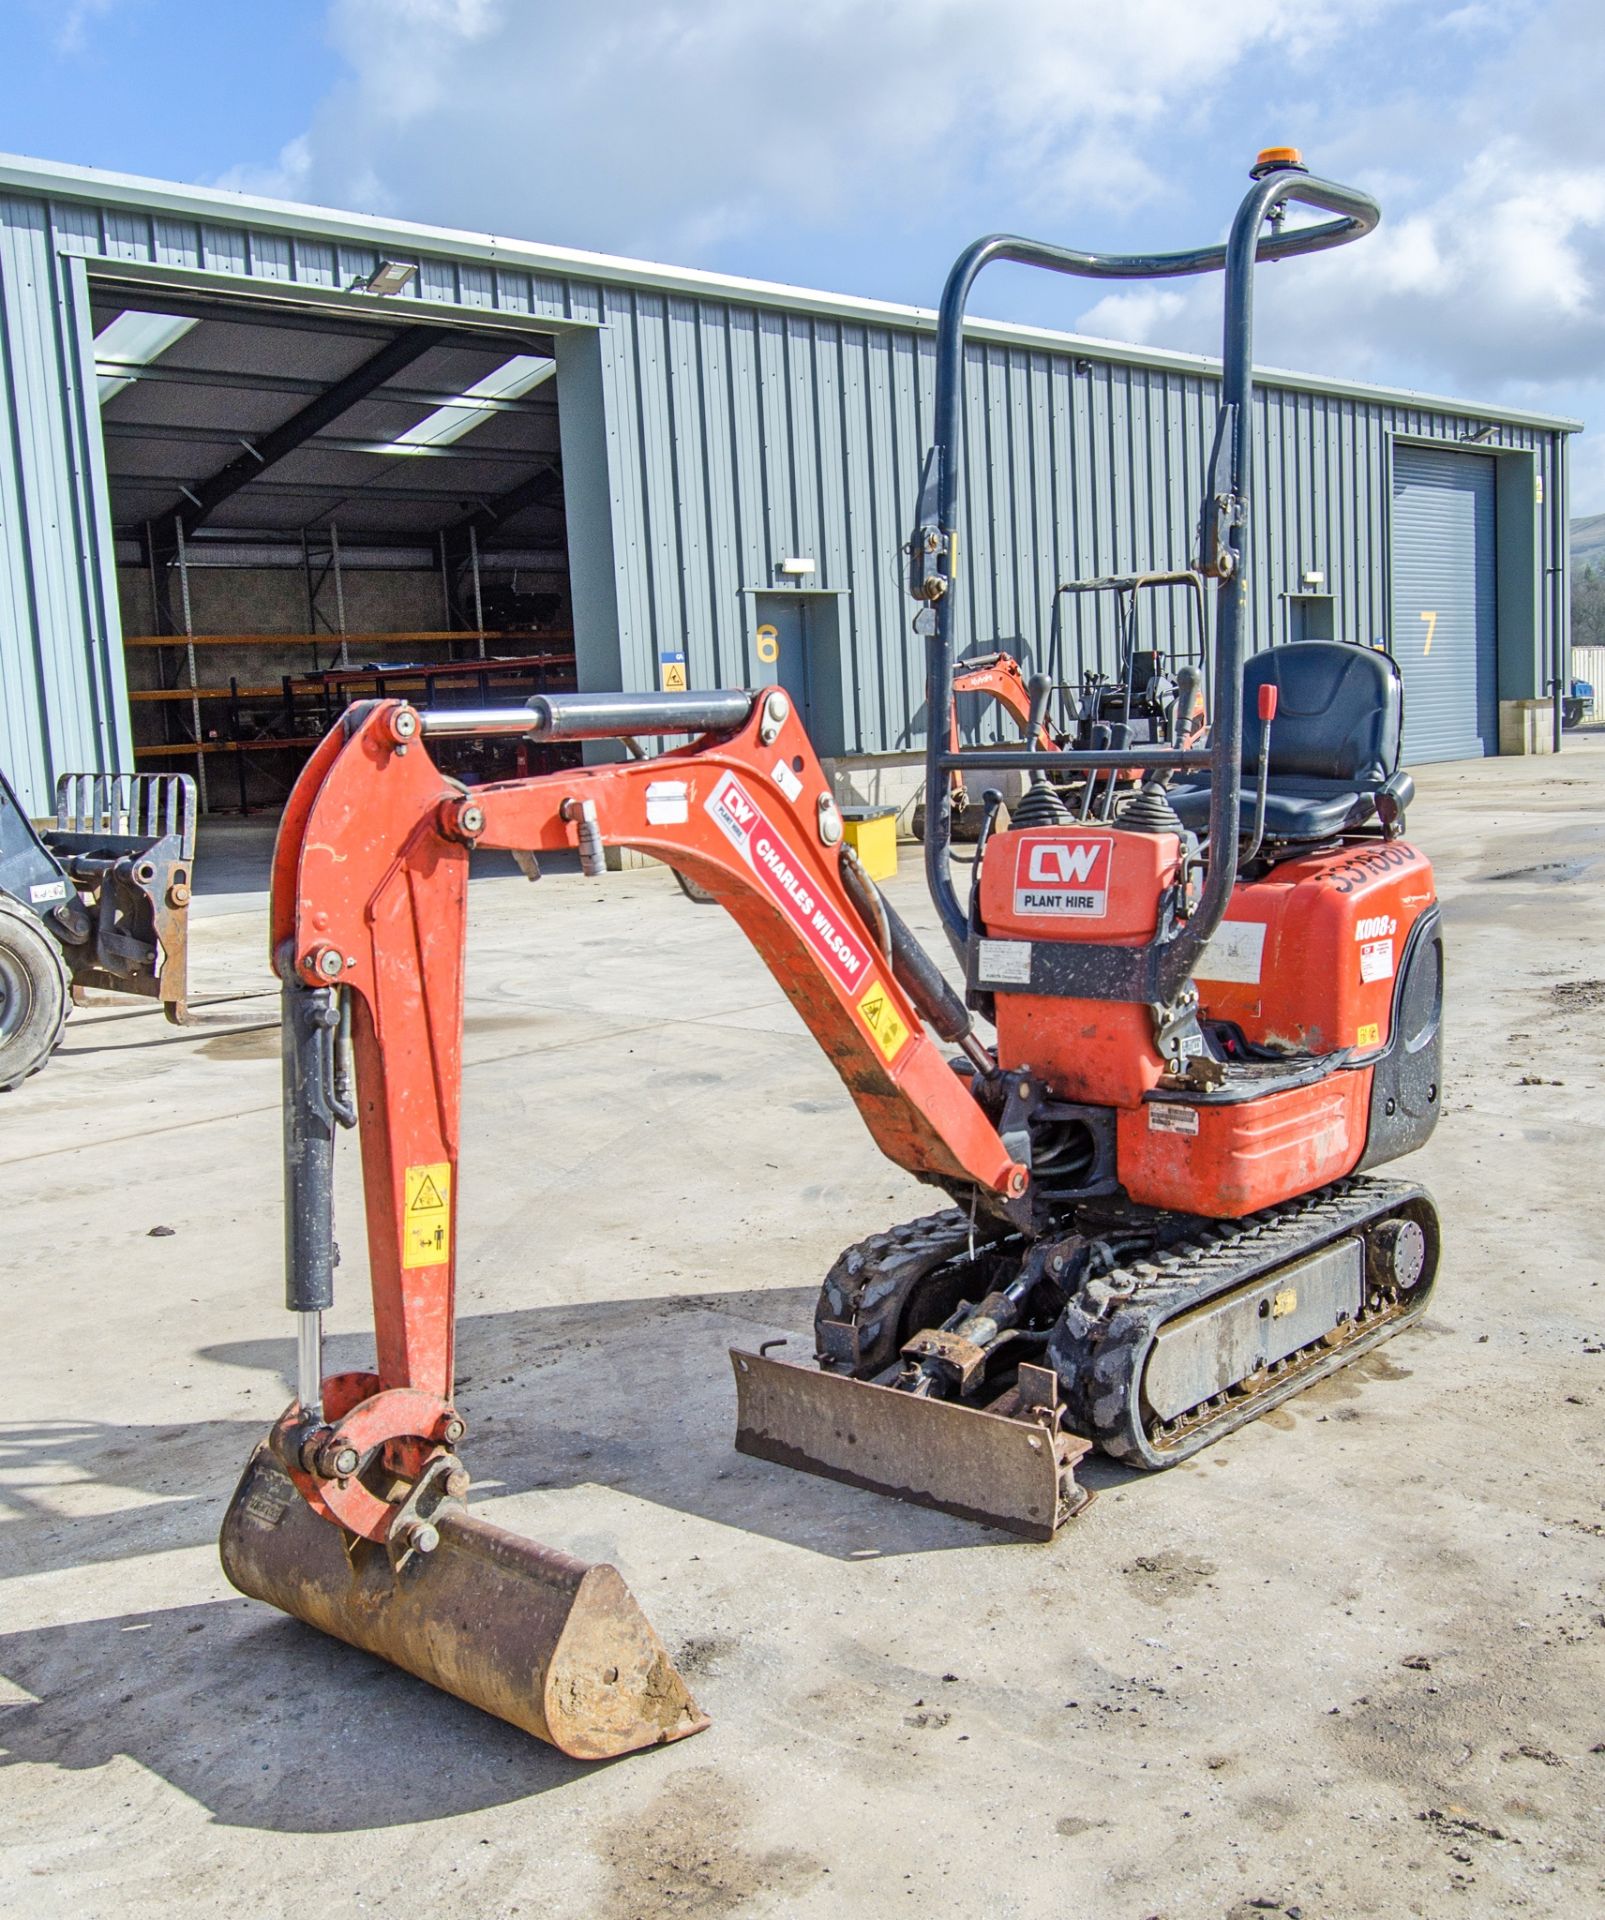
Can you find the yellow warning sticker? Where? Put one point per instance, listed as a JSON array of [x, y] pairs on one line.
[[674, 676], [885, 1023], [426, 1215], [1369, 1035]]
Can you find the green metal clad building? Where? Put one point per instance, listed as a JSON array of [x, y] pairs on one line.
[[245, 439]]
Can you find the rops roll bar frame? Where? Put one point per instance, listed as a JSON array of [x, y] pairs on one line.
[[1155, 973]]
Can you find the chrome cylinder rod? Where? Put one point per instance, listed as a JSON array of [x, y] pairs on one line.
[[596, 716], [309, 1365]]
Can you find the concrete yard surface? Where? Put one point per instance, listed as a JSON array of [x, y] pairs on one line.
[[1348, 1662]]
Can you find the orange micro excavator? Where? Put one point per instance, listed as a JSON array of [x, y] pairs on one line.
[[1214, 1010], [1155, 691]]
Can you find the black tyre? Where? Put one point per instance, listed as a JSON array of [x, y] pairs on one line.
[[34, 995]]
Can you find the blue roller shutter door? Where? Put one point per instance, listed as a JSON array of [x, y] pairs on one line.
[[1445, 622]]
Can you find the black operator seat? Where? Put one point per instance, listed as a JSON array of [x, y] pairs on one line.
[[1334, 743]]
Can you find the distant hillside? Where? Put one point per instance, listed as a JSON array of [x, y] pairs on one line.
[[1588, 543]]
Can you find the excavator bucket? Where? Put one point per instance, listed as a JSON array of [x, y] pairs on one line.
[[1010, 1472], [552, 1644]]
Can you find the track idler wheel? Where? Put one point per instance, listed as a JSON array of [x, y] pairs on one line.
[[551, 1644]]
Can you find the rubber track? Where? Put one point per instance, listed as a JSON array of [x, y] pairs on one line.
[[869, 1281], [1101, 1342]]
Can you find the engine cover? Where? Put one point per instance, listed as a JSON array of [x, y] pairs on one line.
[[1306, 958]]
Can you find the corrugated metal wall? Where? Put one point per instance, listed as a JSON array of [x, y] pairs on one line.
[[63, 705], [739, 432], [759, 435]]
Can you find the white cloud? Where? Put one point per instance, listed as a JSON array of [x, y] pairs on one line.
[[73, 31], [1142, 317], [1493, 283], [858, 142], [1487, 276], [656, 125], [289, 177]]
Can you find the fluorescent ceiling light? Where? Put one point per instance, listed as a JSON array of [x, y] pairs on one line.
[[512, 379], [131, 341]]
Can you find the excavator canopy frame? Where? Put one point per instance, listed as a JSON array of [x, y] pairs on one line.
[[1155, 973]]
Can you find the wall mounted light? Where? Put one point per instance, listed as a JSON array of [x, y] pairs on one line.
[[390, 276], [797, 569]]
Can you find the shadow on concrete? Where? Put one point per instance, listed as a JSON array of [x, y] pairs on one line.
[[634, 1396], [261, 1720], [181, 1476], [271, 1725], [638, 1396]]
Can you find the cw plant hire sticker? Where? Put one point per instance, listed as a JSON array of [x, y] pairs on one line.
[[426, 1215]]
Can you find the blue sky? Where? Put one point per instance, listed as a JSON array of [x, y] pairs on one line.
[[857, 144]]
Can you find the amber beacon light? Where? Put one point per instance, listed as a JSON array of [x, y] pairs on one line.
[[1269, 159]]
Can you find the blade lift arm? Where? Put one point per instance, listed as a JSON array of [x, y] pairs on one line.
[[368, 926]]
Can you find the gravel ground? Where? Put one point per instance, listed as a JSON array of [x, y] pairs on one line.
[[1346, 1663]]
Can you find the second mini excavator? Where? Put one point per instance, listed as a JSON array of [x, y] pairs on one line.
[[1154, 692], [1215, 1012]]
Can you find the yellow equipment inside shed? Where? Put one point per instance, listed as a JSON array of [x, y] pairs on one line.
[[872, 834]]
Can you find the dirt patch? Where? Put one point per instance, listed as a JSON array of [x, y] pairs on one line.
[[1159, 1578], [476, 1023], [1547, 872], [1578, 996], [682, 1855], [705, 1652], [1377, 1365], [250, 1043], [1346, 1383], [1073, 1825]]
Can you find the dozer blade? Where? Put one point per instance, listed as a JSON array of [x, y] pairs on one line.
[[980, 1466], [553, 1644]]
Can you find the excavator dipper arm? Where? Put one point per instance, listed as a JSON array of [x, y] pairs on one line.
[[999, 675]]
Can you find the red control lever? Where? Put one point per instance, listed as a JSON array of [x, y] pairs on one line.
[[1267, 713]]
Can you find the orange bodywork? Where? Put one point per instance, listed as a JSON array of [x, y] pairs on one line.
[[1304, 963], [1241, 1157], [1306, 957], [1093, 883]]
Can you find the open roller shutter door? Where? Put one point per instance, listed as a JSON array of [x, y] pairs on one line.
[[1444, 608]]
